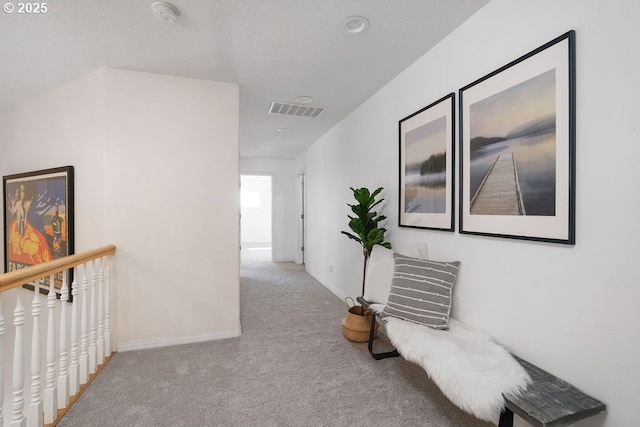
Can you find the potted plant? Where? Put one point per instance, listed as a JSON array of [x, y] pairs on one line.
[[366, 224]]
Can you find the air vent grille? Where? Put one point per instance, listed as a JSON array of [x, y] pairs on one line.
[[296, 110]]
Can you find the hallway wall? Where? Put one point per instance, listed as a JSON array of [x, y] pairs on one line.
[[571, 310]]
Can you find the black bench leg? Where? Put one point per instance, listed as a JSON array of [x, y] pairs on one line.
[[506, 418], [372, 332]]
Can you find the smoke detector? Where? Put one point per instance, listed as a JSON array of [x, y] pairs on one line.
[[165, 11], [304, 99]]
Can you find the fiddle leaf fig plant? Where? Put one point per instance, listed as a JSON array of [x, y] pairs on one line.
[[365, 224]]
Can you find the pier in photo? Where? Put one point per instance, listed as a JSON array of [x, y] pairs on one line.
[[499, 193]]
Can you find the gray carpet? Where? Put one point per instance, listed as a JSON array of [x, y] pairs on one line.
[[290, 367]]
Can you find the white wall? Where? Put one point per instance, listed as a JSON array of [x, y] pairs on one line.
[[283, 209], [153, 156], [172, 206], [571, 310]]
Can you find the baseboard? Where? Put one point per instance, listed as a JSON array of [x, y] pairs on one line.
[[166, 342], [327, 285], [335, 291]]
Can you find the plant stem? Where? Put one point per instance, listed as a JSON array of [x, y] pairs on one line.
[[364, 272]]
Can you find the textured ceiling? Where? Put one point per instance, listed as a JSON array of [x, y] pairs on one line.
[[275, 50]]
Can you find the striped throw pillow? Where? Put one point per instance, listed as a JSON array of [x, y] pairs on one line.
[[421, 291]]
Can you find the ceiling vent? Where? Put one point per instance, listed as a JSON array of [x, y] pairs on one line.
[[296, 110]]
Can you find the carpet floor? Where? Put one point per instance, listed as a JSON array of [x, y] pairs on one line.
[[291, 367]]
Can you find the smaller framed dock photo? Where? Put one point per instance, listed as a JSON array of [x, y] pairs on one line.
[[517, 147], [426, 167]]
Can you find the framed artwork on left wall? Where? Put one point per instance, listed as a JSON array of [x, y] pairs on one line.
[[426, 170], [38, 220]]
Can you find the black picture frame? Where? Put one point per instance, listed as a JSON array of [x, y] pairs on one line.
[[39, 221], [426, 171], [517, 147]]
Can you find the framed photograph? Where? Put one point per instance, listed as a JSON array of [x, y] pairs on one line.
[[38, 220], [517, 147], [426, 167]]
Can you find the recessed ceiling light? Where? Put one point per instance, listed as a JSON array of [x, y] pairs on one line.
[[355, 24], [304, 99], [165, 11], [284, 130]]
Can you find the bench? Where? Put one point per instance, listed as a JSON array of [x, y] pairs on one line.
[[548, 401]]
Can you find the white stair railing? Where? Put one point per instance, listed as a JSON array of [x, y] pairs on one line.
[[75, 345]]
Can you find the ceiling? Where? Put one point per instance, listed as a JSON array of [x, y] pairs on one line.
[[276, 50]]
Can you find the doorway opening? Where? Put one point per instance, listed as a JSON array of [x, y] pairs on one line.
[[255, 218]]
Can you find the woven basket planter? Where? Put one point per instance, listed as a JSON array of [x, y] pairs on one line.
[[357, 324]]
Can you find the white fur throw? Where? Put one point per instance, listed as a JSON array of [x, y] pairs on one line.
[[471, 369]]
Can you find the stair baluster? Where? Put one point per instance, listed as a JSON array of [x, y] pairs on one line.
[[18, 419], [84, 329], [93, 329], [63, 377], [107, 305], [50, 396], [34, 410], [100, 290], [74, 367]]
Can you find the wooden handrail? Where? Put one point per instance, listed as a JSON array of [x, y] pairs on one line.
[[18, 278]]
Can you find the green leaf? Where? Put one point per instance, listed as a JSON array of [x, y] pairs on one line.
[[381, 218], [351, 236], [376, 192], [362, 195]]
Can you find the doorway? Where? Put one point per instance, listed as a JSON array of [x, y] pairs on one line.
[[255, 218]]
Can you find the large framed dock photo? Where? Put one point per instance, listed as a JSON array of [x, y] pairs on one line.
[[517, 147], [426, 167]]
